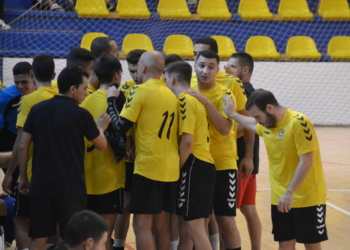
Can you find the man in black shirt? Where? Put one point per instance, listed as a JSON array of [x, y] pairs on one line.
[[242, 65], [57, 128]]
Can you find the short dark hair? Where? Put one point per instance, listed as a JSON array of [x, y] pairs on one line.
[[70, 76], [83, 225], [182, 71], [79, 57], [43, 67], [134, 56], [172, 58], [245, 60], [105, 67], [22, 68], [213, 45], [209, 54], [260, 98], [100, 45]]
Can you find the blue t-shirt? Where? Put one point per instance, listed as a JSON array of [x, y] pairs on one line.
[[9, 102]]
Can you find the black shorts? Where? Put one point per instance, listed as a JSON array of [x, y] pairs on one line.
[[46, 213], [22, 203], [196, 189], [152, 197], [110, 203], [225, 192], [129, 171], [306, 225]]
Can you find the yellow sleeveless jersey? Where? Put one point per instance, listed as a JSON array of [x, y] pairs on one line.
[[153, 109], [293, 135], [193, 120], [102, 173]]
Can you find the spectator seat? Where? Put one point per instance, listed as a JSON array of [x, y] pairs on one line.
[[225, 46], [173, 9], [339, 48], [136, 41], [88, 38], [179, 44], [262, 48], [302, 48]]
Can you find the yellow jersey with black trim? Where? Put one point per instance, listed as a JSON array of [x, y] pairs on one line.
[[25, 105], [153, 109], [193, 120], [292, 136], [91, 88], [230, 82], [102, 173], [223, 148], [127, 86]]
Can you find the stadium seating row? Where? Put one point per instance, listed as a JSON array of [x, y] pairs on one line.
[[209, 9], [260, 47]]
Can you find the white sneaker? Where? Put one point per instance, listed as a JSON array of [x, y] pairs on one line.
[[4, 26]]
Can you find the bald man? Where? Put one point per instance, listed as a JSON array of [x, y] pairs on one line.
[[153, 109]]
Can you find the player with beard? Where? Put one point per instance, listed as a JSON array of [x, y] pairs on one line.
[[298, 189]]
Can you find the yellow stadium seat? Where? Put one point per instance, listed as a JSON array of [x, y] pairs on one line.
[[91, 8], [173, 9], [254, 9], [178, 44], [225, 45], [339, 47], [209, 9], [294, 9], [133, 9], [88, 38], [302, 47], [136, 41], [334, 9], [262, 47]]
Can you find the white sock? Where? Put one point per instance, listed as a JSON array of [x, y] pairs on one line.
[[119, 242], [174, 244], [214, 241]]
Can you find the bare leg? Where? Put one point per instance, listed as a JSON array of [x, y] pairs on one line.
[[230, 234], [254, 225], [196, 230], [161, 229], [287, 245], [185, 242], [38, 244], [110, 219], [315, 246], [121, 226], [143, 231], [21, 232]]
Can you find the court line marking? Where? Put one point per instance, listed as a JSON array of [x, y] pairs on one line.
[[328, 190], [338, 208]]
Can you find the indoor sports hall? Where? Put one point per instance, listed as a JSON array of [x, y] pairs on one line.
[[301, 51]]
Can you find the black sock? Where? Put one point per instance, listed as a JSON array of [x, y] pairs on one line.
[[118, 248], [239, 248]]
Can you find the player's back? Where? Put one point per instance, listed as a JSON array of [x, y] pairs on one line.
[[153, 109], [102, 173]]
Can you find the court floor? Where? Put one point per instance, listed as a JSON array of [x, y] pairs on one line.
[[335, 151]]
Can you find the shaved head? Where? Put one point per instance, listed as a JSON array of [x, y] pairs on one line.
[[151, 65]]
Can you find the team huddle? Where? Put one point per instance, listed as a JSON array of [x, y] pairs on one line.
[[174, 146]]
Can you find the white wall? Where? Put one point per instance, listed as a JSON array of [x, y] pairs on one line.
[[320, 90]]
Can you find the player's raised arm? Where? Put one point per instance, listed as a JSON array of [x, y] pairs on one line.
[[229, 108], [120, 124]]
